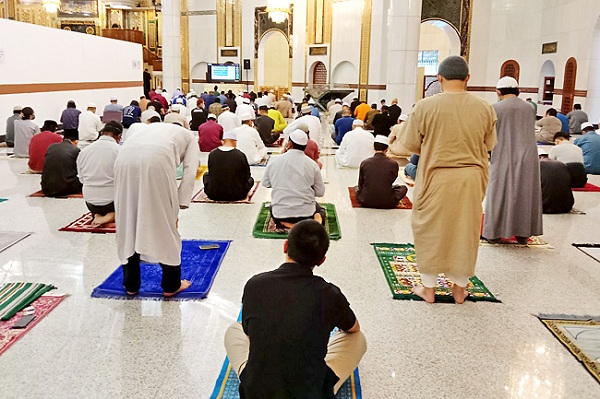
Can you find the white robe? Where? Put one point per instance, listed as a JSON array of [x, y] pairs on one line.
[[356, 146], [250, 143], [312, 123], [147, 199]]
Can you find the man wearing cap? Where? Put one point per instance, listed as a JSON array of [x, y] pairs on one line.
[[10, 126], [38, 146], [271, 95], [59, 174], [229, 120], [513, 205], [314, 111], [265, 126], [96, 171], [312, 149], [114, 106], [590, 144], [245, 108], [376, 178], [356, 146], [342, 126], [228, 177], [175, 116], [249, 141], [70, 116], [453, 132], [25, 129], [576, 118], [306, 122], [296, 181], [149, 113], [210, 134], [334, 109], [395, 111], [396, 137], [89, 126]]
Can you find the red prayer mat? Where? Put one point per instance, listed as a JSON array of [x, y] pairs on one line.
[[83, 224], [42, 306], [405, 203], [202, 197], [40, 194], [588, 187]]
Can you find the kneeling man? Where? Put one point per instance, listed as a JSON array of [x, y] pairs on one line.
[[59, 175], [283, 347]]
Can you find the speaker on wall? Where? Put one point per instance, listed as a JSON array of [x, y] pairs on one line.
[[246, 63]]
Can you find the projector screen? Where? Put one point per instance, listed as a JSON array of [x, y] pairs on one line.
[[224, 72]]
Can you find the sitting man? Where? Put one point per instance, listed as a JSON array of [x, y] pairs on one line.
[[283, 348], [342, 126], [277, 116], [356, 146], [96, 170], [265, 126], [410, 170], [175, 116], [590, 144], [549, 125], [59, 175], [557, 196], [210, 134], [39, 145], [131, 114], [296, 181], [249, 141], [25, 129], [571, 155], [10, 127], [396, 136], [312, 123], [312, 149], [228, 177], [376, 178]]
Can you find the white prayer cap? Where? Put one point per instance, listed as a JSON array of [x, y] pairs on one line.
[[345, 104], [246, 100], [241, 93], [381, 139], [358, 122], [272, 91], [231, 135], [507, 82], [17, 108], [338, 100], [91, 105], [311, 101], [212, 116], [299, 137], [113, 99], [179, 100], [542, 151], [403, 117], [284, 96], [157, 88], [585, 125], [175, 108], [246, 116]]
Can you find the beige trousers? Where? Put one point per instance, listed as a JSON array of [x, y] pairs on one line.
[[430, 280], [344, 351]]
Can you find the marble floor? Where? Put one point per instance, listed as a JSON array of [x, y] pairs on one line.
[[98, 348]]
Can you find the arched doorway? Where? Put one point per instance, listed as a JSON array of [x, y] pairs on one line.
[[199, 77], [274, 60], [510, 68], [318, 74], [592, 105], [568, 92], [546, 88], [344, 74]]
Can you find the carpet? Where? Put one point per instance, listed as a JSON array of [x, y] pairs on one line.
[[41, 307], [10, 238], [405, 203], [265, 226], [227, 385], [588, 188], [40, 194], [83, 224], [201, 196], [198, 266], [591, 250], [399, 264], [3, 199], [580, 335], [201, 171], [14, 297], [263, 162], [533, 242]]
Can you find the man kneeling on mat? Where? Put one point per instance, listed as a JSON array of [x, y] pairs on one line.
[[288, 315]]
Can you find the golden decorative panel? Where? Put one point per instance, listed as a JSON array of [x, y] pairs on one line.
[[365, 46], [327, 21], [221, 23], [229, 23], [310, 21], [185, 46]]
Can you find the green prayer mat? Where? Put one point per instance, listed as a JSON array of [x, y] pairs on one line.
[[17, 296], [399, 264], [265, 226]]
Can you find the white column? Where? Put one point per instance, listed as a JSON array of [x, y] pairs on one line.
[[171, 45]]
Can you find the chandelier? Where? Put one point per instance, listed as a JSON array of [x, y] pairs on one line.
[[51, 6], [278, 10]]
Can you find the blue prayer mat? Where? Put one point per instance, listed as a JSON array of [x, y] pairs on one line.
[[197, 265]]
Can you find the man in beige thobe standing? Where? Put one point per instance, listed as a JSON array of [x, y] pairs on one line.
[[453, 132]]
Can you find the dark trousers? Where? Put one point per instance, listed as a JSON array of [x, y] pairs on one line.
[[320, 210], [171, 276], [101, 209]]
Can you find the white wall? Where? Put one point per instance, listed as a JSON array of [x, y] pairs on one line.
[[46, 55], [203, 39]]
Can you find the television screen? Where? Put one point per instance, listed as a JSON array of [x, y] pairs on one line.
[[224, 72]]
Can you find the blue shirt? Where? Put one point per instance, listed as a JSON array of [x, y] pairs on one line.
[[564, 122], [590, 144], [314, 111], [343, 126], [131, 113]]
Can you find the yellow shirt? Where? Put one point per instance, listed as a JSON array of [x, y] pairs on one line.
[[280, 123], [360, 112]]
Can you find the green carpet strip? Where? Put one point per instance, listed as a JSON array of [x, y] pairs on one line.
[[399, 264], [17, 296], [265, 226]]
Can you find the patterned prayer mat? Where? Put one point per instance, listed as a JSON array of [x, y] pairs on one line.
[[589, 187], [405, 203], [3, 199], [265, 226], [533, 242], [227, 385], [197, 265], [16, 296], [201, 171], [263, 162], [408, 180], [40, 194], [9, 238], [399, 264], [41, 307], [83, 224], [580, 335], [591, 250], [201, 196]]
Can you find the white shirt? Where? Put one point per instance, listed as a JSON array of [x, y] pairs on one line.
[[250, 143], [245, 109], [261, 101], [566, 153], [174, 117], [96, 170], [89, 126], [311, 122], [356, 146], [147, 114], [335, 108], [229, 121]]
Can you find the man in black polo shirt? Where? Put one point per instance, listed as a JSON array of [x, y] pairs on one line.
[[264, 124], [283, 348], [59, 176]]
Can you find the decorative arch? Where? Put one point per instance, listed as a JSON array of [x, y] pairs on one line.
[[273, 59], [546, 88], [318, 74], [344, 73], [510, 68], [568, 92]]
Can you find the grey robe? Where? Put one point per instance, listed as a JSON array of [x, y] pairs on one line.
[[513, 203], [147, 199]]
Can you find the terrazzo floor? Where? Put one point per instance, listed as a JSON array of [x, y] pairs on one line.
[[98, 348]]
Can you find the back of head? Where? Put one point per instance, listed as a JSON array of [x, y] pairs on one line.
[[49, 126], [561, 135], [373, 106], [154, 119], [112, 128], [308, 243], [71, 134], [71, 104], [577, 106], [27, 113], [551, 112], [134, 102], [454, 68]]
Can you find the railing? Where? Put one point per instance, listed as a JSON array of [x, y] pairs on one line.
[[128, 35]]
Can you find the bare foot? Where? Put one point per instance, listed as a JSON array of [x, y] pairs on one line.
[[287, 225], [318, 218], [185, 284], [427, 294], [99, 220], [95, 220], [460, 294], [130, 293]]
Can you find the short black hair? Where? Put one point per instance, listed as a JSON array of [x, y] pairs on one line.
[[49, 126], [562, 135], [551, 112], [509, 90], [133, 102], [308, 242], [380, 146], [577, 106], [373, 106], [113, 127], [71, 104], [27, 113], [154, 119], [71, 134], [297, 146]]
